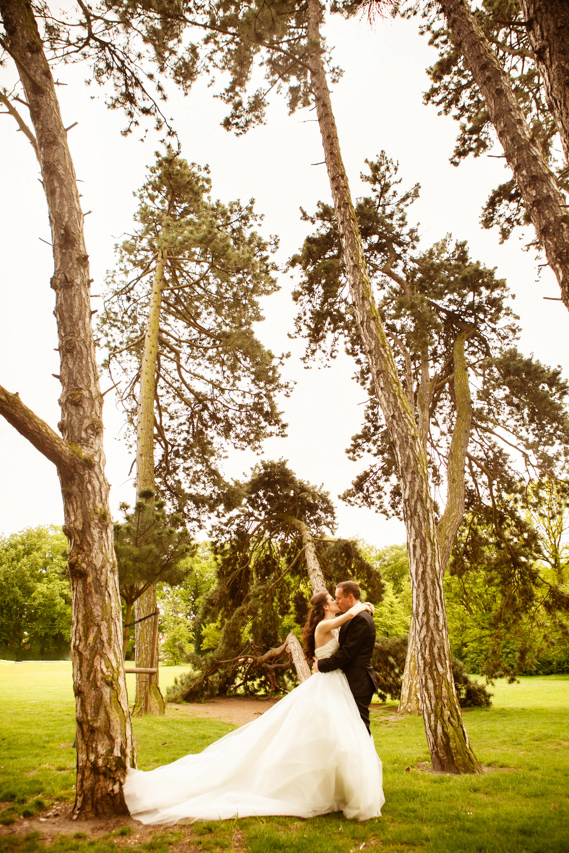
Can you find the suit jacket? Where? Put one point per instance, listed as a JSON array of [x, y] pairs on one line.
[[357, 640]]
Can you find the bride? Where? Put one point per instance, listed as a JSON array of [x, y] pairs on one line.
[[310, 754]]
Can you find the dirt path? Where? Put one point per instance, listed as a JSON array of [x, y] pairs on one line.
[[235, 709]]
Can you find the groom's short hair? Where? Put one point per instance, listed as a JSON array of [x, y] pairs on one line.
[[349, 588]]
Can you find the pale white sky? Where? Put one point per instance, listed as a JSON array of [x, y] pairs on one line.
[[378, 105]]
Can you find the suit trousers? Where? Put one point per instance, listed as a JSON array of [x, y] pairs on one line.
[[363, 703]]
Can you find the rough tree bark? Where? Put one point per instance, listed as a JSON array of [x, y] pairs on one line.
[[538, 186], [104, 736], [148, 699], [317, 584], [447, 528], [294, 649], [315, 576], [446, 736], [547, 23], [410, 699]]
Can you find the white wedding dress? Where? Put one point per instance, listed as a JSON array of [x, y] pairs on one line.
[[310, 754]]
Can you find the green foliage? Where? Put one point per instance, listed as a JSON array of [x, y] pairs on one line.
[[225, 41], [429, 298], [124, 43], [271, 35], [389, 663], [392, 615], [35, 596], [215, 382], [392, 620], [454, 93], [262, 589], [121, 46], [151, 547], [546, 503], [181, 626], [508, 607]]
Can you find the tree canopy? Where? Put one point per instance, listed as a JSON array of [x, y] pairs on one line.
[[506, 63], [515, 411], [274, 524], [454, 92], [35, 597], [216, 385]]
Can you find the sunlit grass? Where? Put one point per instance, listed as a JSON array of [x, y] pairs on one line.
[[520, 803]]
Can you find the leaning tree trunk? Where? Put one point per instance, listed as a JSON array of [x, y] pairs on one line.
[[547, 22], [317, 584], [294, 648], [148, 699], [315, 575], [538, 186], [104, 737], [446, 736], [451, 519]]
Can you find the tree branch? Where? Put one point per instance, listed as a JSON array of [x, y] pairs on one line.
[[21, 123], [454, 509], [38, 433]]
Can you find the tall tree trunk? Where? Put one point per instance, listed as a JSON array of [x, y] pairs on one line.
[[410, 700], [148, 699], [126, 627], [538, 186], [547, 22], [451, 519], [446, 736], [104, 736]]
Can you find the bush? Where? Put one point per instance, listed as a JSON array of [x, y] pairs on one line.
[[389, 664]]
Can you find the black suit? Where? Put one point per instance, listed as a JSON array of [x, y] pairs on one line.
[[357, 640]]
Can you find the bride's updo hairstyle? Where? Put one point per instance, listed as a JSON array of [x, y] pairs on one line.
[[315, 616]]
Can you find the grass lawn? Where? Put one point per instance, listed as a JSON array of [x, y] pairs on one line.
[[520, 804]]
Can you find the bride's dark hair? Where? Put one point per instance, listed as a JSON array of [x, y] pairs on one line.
[[315, 616]]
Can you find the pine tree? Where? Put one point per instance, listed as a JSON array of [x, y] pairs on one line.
[[104, 738], [274, 551], [478, 403], [151, 548], [503, 68], [178, 326]]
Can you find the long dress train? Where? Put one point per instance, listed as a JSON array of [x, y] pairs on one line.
[[310, 754]]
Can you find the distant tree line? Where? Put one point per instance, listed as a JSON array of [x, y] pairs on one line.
[[35, 595], [488, 634]]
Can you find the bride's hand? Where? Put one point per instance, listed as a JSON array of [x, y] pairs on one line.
[[360, 607]]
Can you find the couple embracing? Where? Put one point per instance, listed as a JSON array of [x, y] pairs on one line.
[[310, 754]]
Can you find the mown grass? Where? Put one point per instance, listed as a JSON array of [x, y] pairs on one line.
[[521, 802]]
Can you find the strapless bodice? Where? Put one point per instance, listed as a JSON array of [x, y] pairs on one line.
[[326, 651]]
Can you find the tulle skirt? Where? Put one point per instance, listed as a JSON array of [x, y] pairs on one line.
[[310, 754]]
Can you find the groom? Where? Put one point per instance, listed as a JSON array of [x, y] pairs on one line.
[[357, 640]]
